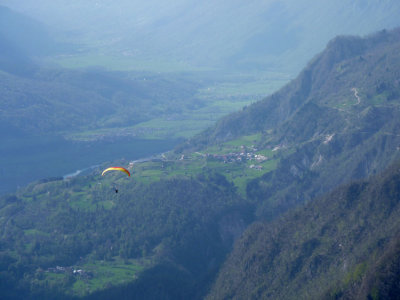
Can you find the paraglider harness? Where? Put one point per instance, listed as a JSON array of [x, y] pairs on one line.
[[116, 169]]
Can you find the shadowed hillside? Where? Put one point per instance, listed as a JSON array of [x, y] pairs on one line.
[[342, 246]]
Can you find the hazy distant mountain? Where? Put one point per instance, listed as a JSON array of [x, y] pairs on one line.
[[253, 34], [29, 36], [13, 52], [43, 100], [22, 40]]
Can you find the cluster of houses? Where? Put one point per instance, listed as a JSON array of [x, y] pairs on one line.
[[256, 167], [70, 270], [240, 157], [245, 154]]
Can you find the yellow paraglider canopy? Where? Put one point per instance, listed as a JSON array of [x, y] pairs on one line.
[[116, 169]]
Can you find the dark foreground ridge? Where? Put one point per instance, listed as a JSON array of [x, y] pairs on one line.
[[344, 245]]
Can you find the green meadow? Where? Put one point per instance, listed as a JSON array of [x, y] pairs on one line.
[[95, 276]]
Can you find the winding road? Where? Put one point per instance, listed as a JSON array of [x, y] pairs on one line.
[[355, 90]]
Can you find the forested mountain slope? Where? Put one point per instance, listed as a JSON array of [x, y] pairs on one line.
[[344, 245], [370, 65], [339, 120], [179, 226]]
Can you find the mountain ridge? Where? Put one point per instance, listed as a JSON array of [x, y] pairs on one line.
[[333, 135], [280, 106]]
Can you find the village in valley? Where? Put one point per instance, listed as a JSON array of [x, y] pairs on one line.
[[241, 160], [246, 154]]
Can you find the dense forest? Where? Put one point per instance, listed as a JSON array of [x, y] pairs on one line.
[[344, 245], [188, 224]]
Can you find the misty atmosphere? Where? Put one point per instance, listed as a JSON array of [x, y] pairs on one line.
[[200, 150]]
